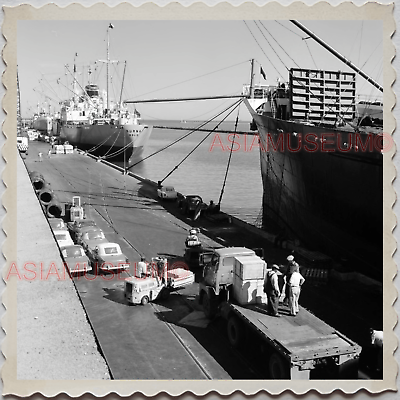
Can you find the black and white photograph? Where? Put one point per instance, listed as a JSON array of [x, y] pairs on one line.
[[194, 198]]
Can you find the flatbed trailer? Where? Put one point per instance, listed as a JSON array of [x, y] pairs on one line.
[[300, 347]]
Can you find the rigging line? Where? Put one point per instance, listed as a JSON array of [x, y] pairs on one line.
[[51, 88], [277, 44], [110, 147], [367, 108], [191, 79], [184, 99], [118, 152], [377, 75], [309, 50], [131, 82], [45, 96], [79, 96], [229, 159], [94, 148], [276, 69], [237, 104], [85, 95], [354, 42], [362, 66], [179, 139], [196, 117], [289, 29], [359, 49], [338, 55]]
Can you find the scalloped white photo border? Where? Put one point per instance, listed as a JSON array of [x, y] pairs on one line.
[[175, 11]]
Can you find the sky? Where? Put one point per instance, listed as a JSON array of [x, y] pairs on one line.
[[178, 59]]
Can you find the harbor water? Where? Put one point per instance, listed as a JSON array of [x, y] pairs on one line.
[[203, 172]]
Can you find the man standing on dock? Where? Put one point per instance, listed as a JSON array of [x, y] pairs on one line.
[[291, 266], [141, 268], [295, 282], [271, 288]]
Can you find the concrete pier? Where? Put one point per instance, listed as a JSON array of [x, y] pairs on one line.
[[163, 340], [55, 339]]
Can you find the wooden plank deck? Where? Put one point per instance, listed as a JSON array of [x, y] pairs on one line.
[[301, 337]]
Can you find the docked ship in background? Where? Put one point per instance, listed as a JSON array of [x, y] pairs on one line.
[[92, 123], [322, 165], [43, 123], [114, 134]]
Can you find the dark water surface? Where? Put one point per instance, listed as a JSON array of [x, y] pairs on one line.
[[203, 172]]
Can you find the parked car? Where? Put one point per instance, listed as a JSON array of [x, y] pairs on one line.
[[75, 259], [108, 257], [63, 238], [57, 224], [91, 238], [167, 193], [77, 227]]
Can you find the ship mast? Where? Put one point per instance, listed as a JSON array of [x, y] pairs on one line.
[[122, 86], [251, 78], [19, 119], [111, 26], [74, 84], [338, 55]]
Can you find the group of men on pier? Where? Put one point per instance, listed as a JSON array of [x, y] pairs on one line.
[[290, 292]]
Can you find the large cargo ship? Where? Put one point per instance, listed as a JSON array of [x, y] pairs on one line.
[[115, 134], [43, 123], [322, 166], [91, 122]]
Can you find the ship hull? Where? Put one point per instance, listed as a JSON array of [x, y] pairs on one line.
[[43, 124], [112, 142], [331, 200]]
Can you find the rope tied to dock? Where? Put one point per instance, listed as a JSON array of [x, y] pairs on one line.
[[186, 135], [234, 107]]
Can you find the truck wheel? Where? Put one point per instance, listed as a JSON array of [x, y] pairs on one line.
[[277, 367], [209, 307], [144, 300], [235, 332]]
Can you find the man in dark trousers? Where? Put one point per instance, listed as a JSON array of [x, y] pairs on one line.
[[271, 288], [291, 266]]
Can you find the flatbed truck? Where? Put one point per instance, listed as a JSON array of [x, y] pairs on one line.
[[294, 347]]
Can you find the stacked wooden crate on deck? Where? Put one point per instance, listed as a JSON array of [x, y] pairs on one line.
[[248, 286]]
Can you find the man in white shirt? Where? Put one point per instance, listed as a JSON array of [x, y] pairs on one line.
[[141, 268], [295, 282]]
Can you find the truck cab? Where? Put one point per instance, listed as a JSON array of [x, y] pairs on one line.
[[219, 269], [158, 283], [292, 347], [143, 290]]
